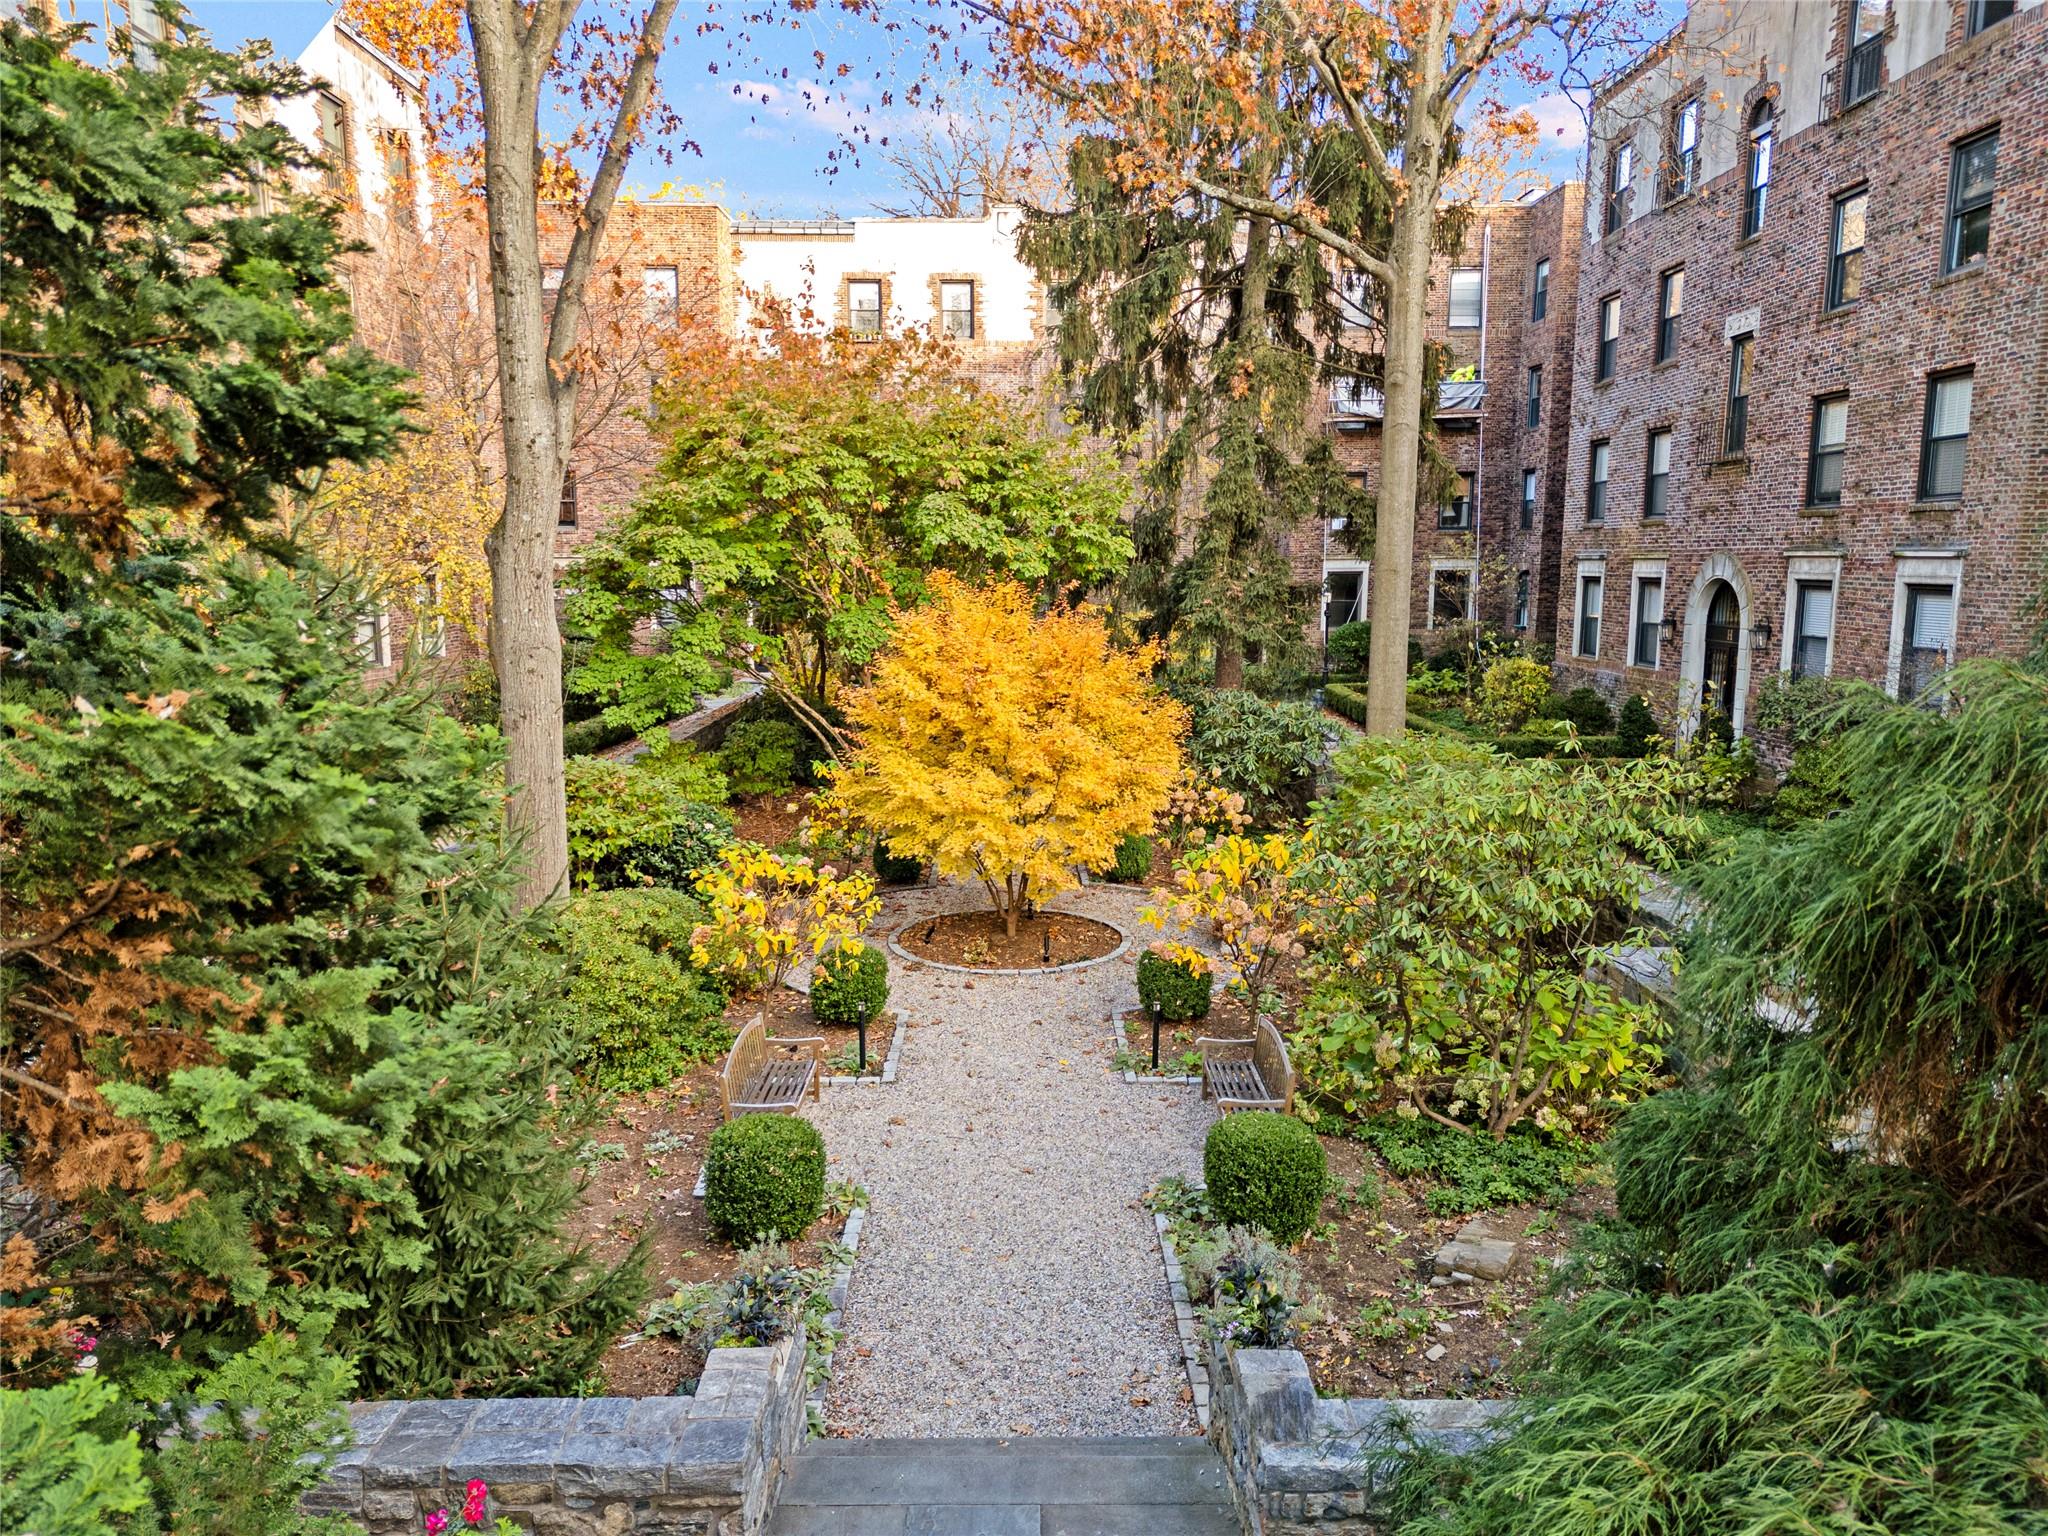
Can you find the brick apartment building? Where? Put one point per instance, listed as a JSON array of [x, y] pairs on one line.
[[1807, 430], [1503, 310]]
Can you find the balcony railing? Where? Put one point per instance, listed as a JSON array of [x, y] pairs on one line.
[[1866, 66]]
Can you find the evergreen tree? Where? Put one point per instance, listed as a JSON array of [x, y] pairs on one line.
[[1211, 332]]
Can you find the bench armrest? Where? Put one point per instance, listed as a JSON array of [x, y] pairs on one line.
[[1220, 1040]]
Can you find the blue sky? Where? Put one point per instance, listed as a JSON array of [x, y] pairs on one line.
[[771, 136]]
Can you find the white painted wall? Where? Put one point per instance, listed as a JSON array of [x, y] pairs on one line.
[[810, 262], [380, 95]]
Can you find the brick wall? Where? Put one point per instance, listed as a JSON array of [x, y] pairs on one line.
[[1743, 517]]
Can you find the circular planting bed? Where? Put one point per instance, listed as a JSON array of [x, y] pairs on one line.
[[978, 941]]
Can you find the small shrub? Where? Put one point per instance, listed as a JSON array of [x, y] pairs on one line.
[[1637, 727], [891, 870], [764, 1175], [1346, 701], [1268, 753], [696, 773], [762, 757], [1133, 859], [1430, 688], [850, 986], [1251, 1290], [764, 908], [1475, 1172], [630, 827], [1587, 711], [636, 1011], [1511, 691], [1349, 649], [475, 699], [1265, 1170], [1173, 981], [694, 845]]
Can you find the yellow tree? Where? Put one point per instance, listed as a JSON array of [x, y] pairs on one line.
[[1011, 747]]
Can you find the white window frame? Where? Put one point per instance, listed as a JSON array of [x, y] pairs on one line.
[[1470, 569], [429, 627], [1641, 571], [1363, 570], [1523, 592], [1921, 568], [1810, 570], [1596, 569], [664, 289], [376, 644]]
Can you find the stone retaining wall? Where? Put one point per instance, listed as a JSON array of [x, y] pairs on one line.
[[1301, 1465], [706, 1465]]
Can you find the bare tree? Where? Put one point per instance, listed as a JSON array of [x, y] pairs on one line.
[[955, 163]]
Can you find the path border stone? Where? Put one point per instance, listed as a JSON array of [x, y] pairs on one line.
[[1184, 1319], [835, 1319], [1123, 948], [1119, 1043], [889, 1062]]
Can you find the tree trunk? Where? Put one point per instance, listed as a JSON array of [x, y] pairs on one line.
[[1229, 661]]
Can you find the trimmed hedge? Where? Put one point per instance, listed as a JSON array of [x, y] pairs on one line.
[[764, 1175], [1345, 700], [583, 738], [1133, 859], [850, 986], [891, 870], [1265, 1170], [1178, 993]]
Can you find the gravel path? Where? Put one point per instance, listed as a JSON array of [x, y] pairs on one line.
[[1009, 1280]]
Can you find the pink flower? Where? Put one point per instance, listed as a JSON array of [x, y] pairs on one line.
[[437, 1522], [477, 1488]]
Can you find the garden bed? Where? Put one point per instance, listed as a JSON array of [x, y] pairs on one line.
[[643, 1159], [979, 941], [770, 820], [1372, 1264], [787, 1012]]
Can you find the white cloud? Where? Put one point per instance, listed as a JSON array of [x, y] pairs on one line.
[[829, 109], [1560, 119]]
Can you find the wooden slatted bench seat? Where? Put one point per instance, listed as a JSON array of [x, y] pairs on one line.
[[1260, 1078], [770, 1074]]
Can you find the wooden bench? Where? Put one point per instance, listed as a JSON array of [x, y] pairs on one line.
[[1261, 1078], [769, 1074]]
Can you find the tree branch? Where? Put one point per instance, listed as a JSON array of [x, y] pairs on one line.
[[1300, 223]]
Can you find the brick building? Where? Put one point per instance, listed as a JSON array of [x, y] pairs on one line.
[[1503, 310], [1807, 427]]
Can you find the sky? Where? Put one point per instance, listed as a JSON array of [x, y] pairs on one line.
[[768, 137]]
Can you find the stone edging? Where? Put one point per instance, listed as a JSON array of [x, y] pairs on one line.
[[888, 1072], [1123, 948], [1119, 1043], [842, 1281], [1184, 1320]]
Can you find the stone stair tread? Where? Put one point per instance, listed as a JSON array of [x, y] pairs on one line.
[[1004, 1520], [1005, 1477], [968, 1445]]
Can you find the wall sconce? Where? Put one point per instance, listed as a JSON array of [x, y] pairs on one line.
[[1760, 634], [1670, 627]]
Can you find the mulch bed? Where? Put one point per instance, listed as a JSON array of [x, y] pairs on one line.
[[979, 940], [770, 820], [1385, 1257], [638, 1192]]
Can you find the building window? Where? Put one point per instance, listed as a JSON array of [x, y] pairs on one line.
[[1355, 299], [1528, 499], [373, 639], [1685, 153], [1450, 598], [1670, 309], [1945, 436], [333, 142], [550, 281], [1610, 338], [1539, 293], [956, 310], [664, 292], [1813, 627], [1762, 131], [1830, 446], [1465, 299], [1588, 636], [1867, 22], [1457, 512], [1647, 649], [1346, 601], [396, 147], [1845, 258], [1928, 637], [1534, 414], [429, 628], [1621, 170], [1596, 485], [1987, 13], [565, 509], [1736, 438], [1521, 599], [1969, 201], [864, 307], [1657, 476]]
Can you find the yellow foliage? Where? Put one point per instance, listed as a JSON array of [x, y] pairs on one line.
[[1007, 746], [765, 909], [1246, 890]]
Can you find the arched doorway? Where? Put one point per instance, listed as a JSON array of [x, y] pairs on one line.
[[1721, 657]]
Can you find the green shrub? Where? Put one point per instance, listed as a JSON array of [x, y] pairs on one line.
[[764, 1175], [850, 987], [1133, 859], [1265, 1170], [762, 756], [696, 773], [1269, 753], [693, 845], [1174, 983], [475, 699], [1346, 701], [581, 738], [638, 1014], [1526, 744], [1511, 691], [891, 870], [1472, 1173], [1349, 649], [1816, 783], [624, 825], [59, 1475], [1637, 727], [1587, 711], [1434, 686]]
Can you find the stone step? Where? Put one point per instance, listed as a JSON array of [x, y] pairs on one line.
[[1098, 1486]]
